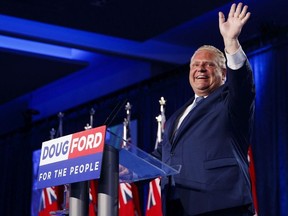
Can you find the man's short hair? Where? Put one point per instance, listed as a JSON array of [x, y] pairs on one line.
[[220, 57]]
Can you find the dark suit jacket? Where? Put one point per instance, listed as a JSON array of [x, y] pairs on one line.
[[211, 146]]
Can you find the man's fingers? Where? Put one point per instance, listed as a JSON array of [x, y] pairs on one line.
[[243, 12], [245, 19], [221, 18], [232, 10], [238, 10]]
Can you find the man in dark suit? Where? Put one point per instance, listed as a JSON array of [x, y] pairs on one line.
[[210, 141]]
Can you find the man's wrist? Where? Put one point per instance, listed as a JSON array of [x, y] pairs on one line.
[[231, 45], [237, 59]]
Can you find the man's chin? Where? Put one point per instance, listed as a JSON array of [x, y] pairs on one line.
[[201, 92]]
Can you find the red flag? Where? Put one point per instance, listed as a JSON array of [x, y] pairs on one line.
[[93, 198], [154, 205], [51, 200], [136, 200], [128, 200], [253, 177]]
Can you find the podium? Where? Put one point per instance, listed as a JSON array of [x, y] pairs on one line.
[[138, 166], [134, 164]]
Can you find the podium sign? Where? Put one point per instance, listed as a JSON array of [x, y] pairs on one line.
[[71, 158]]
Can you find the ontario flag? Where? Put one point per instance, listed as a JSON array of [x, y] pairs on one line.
[[154, 205], [50, 200], [129, 204]]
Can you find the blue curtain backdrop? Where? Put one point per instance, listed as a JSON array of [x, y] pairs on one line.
[[269, 143]]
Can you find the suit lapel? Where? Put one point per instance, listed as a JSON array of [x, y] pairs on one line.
[[189, 119], [203, 107], [175, 118]]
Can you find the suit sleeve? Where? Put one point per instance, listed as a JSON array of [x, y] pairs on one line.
[[241, 89], [241, 97]]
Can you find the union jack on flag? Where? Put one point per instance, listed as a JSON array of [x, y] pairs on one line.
[[125, 190], [49, 200], [154, 188], [154, 205], [48, 196], [126, 205], [128, 200]]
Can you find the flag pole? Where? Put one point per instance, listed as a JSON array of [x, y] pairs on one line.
[[160, 122], [126, 126], [154, 202]]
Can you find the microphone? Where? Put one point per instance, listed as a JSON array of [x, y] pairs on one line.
[[112, 116], [114, 113]]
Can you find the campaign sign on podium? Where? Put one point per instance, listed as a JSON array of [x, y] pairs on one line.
[[72, 158]]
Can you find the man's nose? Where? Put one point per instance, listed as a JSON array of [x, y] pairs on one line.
[[202, 67]]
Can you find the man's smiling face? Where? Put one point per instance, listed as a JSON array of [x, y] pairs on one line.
[[205, 73]]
